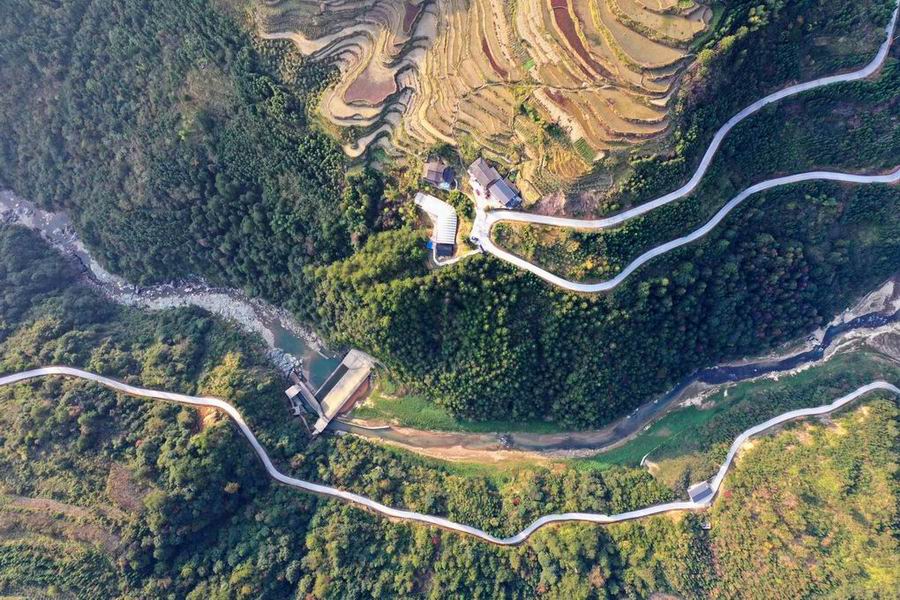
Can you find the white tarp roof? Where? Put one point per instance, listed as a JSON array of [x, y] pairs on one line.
[[442, 214]]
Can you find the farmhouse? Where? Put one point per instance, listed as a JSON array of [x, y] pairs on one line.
[[481, 176], [443, 236], [439, 174], [490, 187]]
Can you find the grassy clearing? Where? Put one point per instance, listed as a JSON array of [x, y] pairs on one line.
[[584, 150], [388, 403], [664, 431], [500, 473]]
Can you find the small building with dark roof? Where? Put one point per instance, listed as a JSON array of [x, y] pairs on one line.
[[505, 194], [439, 174], [444, 250], [490, 187], [482, 175]]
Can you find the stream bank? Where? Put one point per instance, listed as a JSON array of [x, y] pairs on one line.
[[877, 312], [290, 344]]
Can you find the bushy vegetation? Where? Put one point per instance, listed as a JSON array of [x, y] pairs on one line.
[[847, 127], [759, 47], [192, 152], [192, 508], [179, 144], [812, 513], [193, 516], [486, 340], [689, 443]]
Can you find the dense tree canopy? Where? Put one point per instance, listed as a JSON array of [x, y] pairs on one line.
[[183, 145], [156, 500], [180, 145]]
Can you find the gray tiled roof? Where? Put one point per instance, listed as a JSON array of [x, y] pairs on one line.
[[483, 173], [503, 192]]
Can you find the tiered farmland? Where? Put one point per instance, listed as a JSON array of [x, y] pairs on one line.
[[545, 86]]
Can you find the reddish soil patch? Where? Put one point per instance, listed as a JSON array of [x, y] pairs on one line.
[[367, 91], [567, 26], [409, 16], [560, 100], [487, 52]]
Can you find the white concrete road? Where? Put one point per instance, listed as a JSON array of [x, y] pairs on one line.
[[430, 519], [485, 220], [488, 244]]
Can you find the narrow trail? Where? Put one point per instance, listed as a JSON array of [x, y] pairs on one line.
[[485, 220], [426, 519]]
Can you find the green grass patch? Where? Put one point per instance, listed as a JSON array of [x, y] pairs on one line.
[[387, 403], [528, 64], [664, 431], [584, 150], [500, 472]]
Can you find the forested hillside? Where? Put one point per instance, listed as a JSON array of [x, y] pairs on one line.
[[183, 145], [180, 144], [486, 340], [102, 495], [189, 512], [757, 49]]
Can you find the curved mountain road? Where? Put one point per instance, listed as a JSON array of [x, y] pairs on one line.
[[431, 519], [485, 221], [609, 284]]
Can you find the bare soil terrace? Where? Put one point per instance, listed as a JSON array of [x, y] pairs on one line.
[[545, 87]]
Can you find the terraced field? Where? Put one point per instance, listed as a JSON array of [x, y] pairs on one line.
[[545, 86]]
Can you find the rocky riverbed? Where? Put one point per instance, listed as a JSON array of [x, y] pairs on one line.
[[290, 344]]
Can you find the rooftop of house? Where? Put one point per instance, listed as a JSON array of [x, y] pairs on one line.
[[699, 491], [504, 193], [483, 173], [437, 172]]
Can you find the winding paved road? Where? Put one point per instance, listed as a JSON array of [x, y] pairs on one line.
[[609, 284], [430, 519], [485, 221]]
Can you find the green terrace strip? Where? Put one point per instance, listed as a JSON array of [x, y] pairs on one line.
[[700, 503], [485, 220]]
